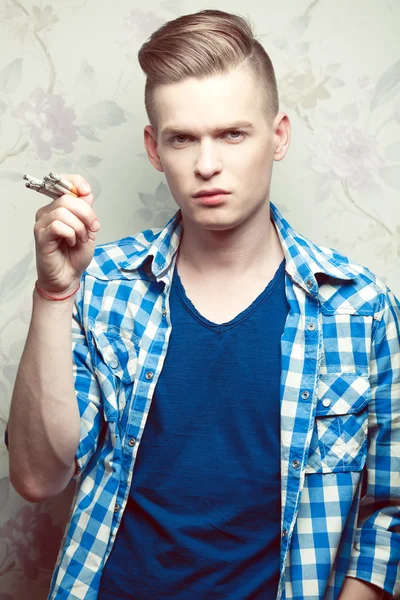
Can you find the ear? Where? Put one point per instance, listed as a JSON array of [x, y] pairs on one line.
[[150, 142], [281, 128]]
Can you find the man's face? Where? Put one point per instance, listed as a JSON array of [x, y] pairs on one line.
[[221, 139]]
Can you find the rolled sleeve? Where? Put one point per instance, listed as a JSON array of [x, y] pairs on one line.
[[88, 393], [375, 555]]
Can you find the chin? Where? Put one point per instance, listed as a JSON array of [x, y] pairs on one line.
[[212, 221]]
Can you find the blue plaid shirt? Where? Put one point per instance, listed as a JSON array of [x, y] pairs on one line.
[[340, 411]]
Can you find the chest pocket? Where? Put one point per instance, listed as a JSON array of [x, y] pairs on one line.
[[115, 364], [339, 439]]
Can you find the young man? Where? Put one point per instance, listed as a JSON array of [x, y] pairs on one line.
[[233, 400]]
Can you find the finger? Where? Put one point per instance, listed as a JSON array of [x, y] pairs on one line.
[[79, 182], [89, 199], [65, 216], [79, 208], [57, 230], [43, 210]]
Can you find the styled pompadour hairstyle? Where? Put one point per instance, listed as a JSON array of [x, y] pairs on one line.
[[202, 45]]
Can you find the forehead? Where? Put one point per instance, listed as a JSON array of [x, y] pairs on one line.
[[210, 102]]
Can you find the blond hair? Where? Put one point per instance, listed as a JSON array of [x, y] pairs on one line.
[[201, 45]]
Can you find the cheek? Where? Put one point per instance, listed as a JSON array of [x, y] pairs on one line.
[[260, 165], [176, 176], [175, 165], [254, 173], [250, 167], [250, 156], [173, 173], [178, 172]]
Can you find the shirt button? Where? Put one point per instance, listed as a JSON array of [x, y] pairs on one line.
[[296, 464], [326, 402], [116, 508], [305, 395], [309, 284], [149, 375], [311, 327], [132, 442], [114, 363], [284, 533], [164, 312]]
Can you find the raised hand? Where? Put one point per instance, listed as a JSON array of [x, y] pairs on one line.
[[65, 234]]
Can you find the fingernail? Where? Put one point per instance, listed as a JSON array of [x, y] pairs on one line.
[[95, 226], [85, 188]]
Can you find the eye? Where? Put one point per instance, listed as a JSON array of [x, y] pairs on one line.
[[238, 133], [178, 139]]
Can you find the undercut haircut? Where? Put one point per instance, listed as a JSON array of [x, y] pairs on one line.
[[202, 45]]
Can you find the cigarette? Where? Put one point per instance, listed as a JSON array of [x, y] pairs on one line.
[[33, 180], [52, 185], [66, 184], [58, 188], [42, 190], [63, 190]]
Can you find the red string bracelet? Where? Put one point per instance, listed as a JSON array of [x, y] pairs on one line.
[[52, 297]]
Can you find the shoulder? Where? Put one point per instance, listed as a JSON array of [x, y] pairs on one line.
[[361, 273], [361, 288], [110, 259], [344, 285]]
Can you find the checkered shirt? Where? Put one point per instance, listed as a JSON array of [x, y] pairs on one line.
[[340, 411]]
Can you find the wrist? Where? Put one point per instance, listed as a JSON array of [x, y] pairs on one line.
[[67, 294], [46, 311]]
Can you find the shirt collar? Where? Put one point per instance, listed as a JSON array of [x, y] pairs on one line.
[[304, 260], [162, 249]]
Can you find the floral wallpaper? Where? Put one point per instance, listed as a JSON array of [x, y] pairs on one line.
[[71, 100]]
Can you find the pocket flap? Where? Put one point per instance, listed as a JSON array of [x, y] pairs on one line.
[[119, 353], [342, 394]]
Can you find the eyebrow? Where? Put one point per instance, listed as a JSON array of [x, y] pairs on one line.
[[173, 130]]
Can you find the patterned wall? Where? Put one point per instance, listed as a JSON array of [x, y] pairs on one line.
[[71, 100]]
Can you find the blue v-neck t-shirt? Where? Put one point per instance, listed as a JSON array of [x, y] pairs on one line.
[[203, 515]]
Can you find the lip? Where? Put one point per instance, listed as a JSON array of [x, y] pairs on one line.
[[212, 192], [211, 200]]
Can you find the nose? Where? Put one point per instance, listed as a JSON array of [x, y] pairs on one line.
[[207, 163]]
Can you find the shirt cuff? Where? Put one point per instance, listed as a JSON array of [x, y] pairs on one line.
[[375, 559]]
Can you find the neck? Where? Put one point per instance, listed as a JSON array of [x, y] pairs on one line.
[[253, 248]]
